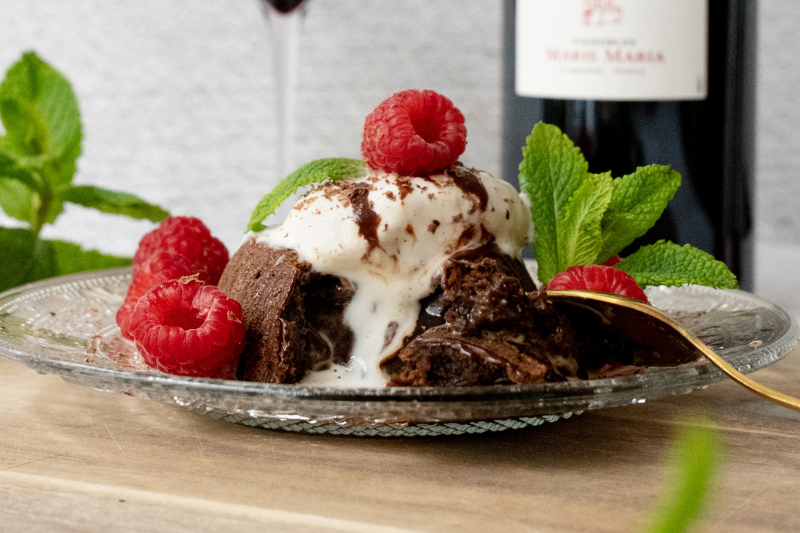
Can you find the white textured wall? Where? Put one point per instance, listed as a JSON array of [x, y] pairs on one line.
[[778, 119], [176, 95]]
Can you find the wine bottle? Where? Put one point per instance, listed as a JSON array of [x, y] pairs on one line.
[[635, 82]]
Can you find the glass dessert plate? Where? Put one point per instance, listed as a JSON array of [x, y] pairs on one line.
[[67, 326]]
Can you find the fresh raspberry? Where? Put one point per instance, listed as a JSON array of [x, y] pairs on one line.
[[187, 328], [187, 237], [611, 261], [414, 133], [157, 269], [597, 278]]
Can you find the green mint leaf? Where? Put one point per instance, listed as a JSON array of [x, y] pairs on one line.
[[41, 117], [21, 189], [636, 204], [552, 169], [10, 169], [694, 461], [16, 250], [17, 200], [118, 203], [666, 263], [27, 133], [578, 232], [330, 169], [67, 258], [26, 259]]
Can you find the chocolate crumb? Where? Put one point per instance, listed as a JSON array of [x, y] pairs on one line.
[[434, 226], [94, 344]]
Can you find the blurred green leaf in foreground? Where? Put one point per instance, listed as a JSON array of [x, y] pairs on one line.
[[693, 464], [38, 155]]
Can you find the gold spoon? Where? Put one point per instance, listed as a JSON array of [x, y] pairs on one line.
[[644, 324]]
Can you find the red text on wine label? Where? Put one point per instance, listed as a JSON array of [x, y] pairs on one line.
[[610, 55]]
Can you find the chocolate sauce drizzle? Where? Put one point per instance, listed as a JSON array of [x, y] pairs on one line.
[[470, 184], [367, 219]]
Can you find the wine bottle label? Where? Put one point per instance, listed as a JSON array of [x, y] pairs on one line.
[[612, 49]]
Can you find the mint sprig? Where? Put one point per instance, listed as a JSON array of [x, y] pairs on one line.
[[38, 155], [318, 171], [582, 218], [666, 263]]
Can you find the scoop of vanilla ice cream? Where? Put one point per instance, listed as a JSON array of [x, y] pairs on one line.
[[389, 235]]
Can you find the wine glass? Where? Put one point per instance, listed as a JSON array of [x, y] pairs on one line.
[[285, 19]]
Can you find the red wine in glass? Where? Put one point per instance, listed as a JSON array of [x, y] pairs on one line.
[[285, 6]]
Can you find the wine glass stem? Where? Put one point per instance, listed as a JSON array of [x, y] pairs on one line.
[[286, 40]]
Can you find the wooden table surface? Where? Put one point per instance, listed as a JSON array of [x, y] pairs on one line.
[[74, 459]]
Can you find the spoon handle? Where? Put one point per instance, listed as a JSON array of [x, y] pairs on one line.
[[774, 396]]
